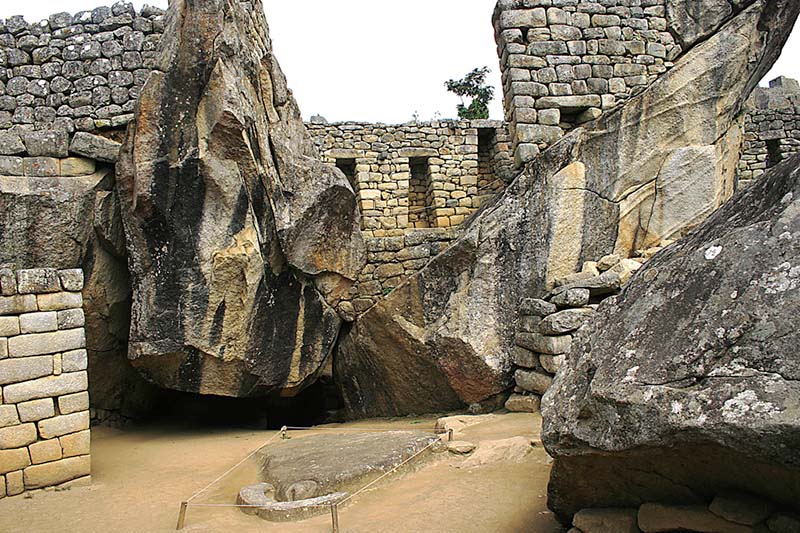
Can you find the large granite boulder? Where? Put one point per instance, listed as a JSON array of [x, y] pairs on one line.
[[689, 381], [240, 241], [646, 172]]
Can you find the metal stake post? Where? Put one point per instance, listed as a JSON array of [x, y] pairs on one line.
[[335, 518], [182, 516]]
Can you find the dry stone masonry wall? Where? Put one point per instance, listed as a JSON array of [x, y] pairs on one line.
[[44, 404], [415, 183], [76, 72], [564, 62], [772, 128]]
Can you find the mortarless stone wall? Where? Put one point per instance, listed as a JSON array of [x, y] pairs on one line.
[[44, 404], [772, 128], [416, 183]]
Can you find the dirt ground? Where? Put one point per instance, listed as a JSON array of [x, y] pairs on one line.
[[141, 475]]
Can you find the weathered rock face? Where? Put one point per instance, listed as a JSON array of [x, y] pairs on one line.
[[240, 241], [647, 172], [688, 382]]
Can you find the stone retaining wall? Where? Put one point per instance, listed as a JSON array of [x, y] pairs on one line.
[[772, 128], [44, 404], [76, 72]]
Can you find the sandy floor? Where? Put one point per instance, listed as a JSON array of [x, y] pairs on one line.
[[140, 477]]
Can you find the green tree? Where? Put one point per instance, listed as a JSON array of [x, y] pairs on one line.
[[473, 86]]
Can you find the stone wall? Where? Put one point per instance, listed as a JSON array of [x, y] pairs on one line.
[[415, 183], [76, 72], [772, 128], [44, 405], [564, 62]]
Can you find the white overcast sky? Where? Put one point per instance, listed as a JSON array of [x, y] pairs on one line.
[[373, 60]]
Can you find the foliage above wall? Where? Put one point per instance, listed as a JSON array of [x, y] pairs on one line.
[[473, 86]]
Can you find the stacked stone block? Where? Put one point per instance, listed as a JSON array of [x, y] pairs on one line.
[[547, 326], [565, 62], [44, 403], [52, 153], [76, 72], [772, 128]]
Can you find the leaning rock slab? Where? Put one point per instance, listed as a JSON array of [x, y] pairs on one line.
[[687, 382], [240, 240]]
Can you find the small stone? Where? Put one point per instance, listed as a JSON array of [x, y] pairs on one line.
[[11, 460], [536, 307], [8, 415], [37, 280], [657, 518], [565, 321], [46, 387], [71, 279], [590, 267], [523, 403], [74, 361], [524, 358], [9, 326], [571, 298], [552, 345], [70, 319], [551, 363], [17, 436], [625, 269], [346, 311], [535, 382], [609, 520], [741, 508], [607, 262], [11, 143], [77, 166], [95, 147], [41, 167], [460, 447], [46, 343], [8, 282], [18, 370], [36, 410], [17, 304]]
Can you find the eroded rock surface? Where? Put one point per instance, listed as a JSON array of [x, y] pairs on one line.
[[688, 382], [240, 240]]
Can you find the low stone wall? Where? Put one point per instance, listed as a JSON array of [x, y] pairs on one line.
[[772, 128], [546, 326], [44, 406]]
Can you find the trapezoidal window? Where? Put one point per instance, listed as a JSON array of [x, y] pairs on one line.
[[486, 151], [348, 168], [773, 152], [419, 193]]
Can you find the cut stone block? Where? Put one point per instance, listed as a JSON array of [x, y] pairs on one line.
[[36, 410], [38, 322], [17, 436], [46, 343], [657, 518], [17, 304], [64, 424], [76, 443], [17, 370], [71, 319], [14, 484], [74, 361], [59, 301], [607, 520], [46, 387], [8, 415], [9, 326], [523, 403], [537, 342], [535, 382], [45, 451], [71, 279], [73, 403], [37, 280], [57, 472]]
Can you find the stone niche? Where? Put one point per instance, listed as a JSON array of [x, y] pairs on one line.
[[44, 405]]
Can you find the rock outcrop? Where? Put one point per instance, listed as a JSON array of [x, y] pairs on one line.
[[637, 176], [240, 240], [688, 382]]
